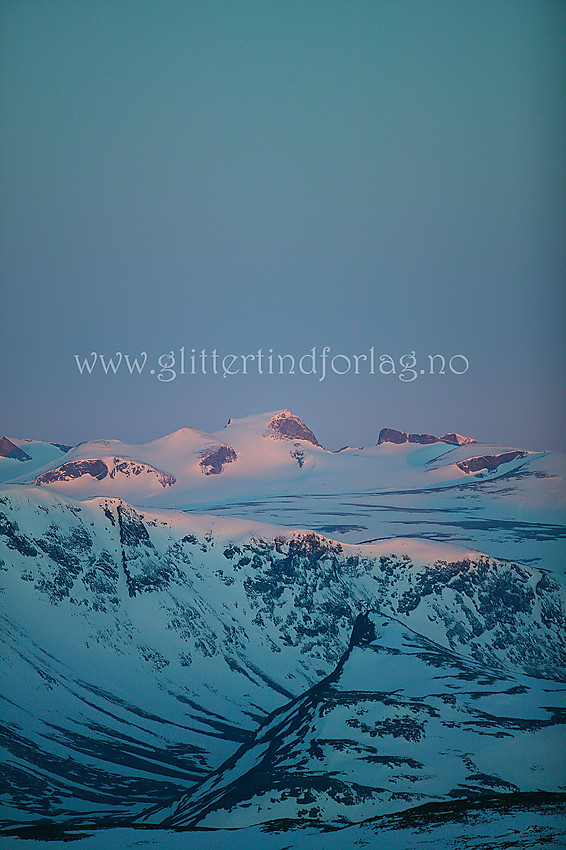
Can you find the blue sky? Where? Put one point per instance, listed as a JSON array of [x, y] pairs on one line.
[[284, 175]]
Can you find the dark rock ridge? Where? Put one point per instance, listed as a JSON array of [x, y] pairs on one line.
[[74, 469], [98, 469], [286, 424], [391, 435], [100, 444], [213, 461], [457, 439], [424, 439], [132, 467], [64, 448], [10, 449], [489, 462]]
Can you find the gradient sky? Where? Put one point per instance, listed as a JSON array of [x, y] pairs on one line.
[[284, 174]]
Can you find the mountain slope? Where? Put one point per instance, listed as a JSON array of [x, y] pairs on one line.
[[140, 648], [399, 723]]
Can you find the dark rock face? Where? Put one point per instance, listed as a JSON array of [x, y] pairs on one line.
[[450, 438], [286, 424], [145, 572], [64, 448], [424, 439], [98, 469], [74, 469], [476, 464], [10, 449], [213, 462], [131, 467], [456, 439], [363, 632], [390, 435]]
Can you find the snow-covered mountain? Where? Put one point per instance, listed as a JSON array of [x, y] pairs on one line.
[[391, 632], [259, 456], [497, 499], [176, 621], [399, 723]]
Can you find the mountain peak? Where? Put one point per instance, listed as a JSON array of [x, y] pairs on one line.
[[10, 449], [286, 424]]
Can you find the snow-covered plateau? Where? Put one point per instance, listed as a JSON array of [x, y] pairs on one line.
[[218, 639]]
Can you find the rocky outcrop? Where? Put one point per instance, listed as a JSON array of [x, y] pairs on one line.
[[298, 454], [391, 435], [74, 469], [488, 462], [457, 439], [286, 424], [424, 439], [131, 467], [10, 449], [99, 469], [62, 447], [213, 461]]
